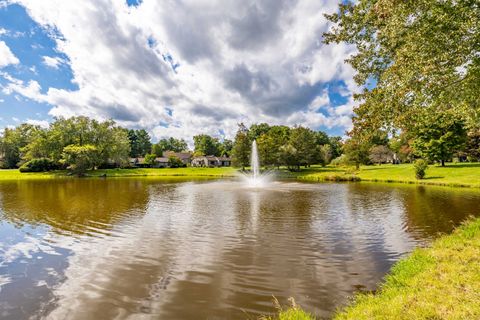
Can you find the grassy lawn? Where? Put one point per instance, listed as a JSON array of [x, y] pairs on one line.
[[14, 174], [459, 175]]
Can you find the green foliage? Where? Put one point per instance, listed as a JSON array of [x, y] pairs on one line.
[[206, 145], [150, 159], [175, 162], [440, 138], [294, 312], [340, 161], [420, 54], [326, 154], [80, 158], [169, 144], [38, 165], [13, 143], [241, 147], [226, 147], [420, 167], [439, 282], [357, 151], [257, 129], [140, 143], [269, 145]]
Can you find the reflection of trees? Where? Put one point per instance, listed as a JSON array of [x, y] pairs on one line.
[[77, 205], [430, 210]]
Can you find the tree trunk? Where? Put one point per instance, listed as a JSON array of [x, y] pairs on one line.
[[443, 163]]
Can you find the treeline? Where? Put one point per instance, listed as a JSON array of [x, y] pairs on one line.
[[443, 138], [81, 143], [285, 146]]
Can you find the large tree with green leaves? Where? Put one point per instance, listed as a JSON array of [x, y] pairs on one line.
[[444, 135], [206, 145], [414, 54], [241, 147], [14, 141], [140, 143]]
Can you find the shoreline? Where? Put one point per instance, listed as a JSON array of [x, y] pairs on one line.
[[454, 175]]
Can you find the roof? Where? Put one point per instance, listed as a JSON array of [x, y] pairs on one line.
[[213, 158], [180, 155], [161, 159]]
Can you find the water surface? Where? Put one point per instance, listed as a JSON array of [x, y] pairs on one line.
[[142, 249]]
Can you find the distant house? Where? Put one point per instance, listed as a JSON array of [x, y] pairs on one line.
[[160, 162], [211, 161], [185, 157]]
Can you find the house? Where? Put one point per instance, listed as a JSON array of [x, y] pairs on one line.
[[160, 162], [185, 157], [211, 161]]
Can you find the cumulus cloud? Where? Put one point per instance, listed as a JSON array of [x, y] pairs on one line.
[[6, 55], [183, 68]]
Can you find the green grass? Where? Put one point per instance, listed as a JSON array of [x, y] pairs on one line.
[[440, 282], [14, 174], [455, 175]]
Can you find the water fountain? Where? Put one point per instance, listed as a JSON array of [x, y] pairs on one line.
[[255, 179]]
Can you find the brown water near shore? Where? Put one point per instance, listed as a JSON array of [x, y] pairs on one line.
[[140, 248]]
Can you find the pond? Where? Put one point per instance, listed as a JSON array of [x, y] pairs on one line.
[[141, 248]]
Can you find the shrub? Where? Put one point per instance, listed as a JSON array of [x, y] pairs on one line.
[[340, 161], [38, 165], [175, 162], [420, 167]]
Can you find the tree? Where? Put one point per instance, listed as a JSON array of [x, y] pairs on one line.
[[257, 129], [304, 141], [150, 159], [206, 145], [13, 142], [380, 154], [418, 54], [169, 144], [241, 147], [356, 149], [270, 144], [140, 143], [225, 148], [438, 140], [79, 158], [174, 162], [326, 154], [473, 145], [111, 141]]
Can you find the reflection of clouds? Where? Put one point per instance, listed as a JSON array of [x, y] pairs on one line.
[[213, 249]]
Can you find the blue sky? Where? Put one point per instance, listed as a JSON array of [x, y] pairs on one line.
[[176, 69]]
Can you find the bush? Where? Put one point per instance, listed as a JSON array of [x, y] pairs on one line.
[[38, 165], [340, 161], [420, 167]]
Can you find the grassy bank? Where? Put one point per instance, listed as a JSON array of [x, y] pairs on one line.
[[455, 175], [14, 174], [439, 282]]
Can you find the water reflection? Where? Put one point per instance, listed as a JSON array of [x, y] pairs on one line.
[[87, 249]]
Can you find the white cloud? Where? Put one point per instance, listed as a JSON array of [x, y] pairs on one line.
[[183, 68], [6, 55], [52, 62], [35, 122]]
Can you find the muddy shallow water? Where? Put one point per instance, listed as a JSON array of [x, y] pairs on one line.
[[140, 248]]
